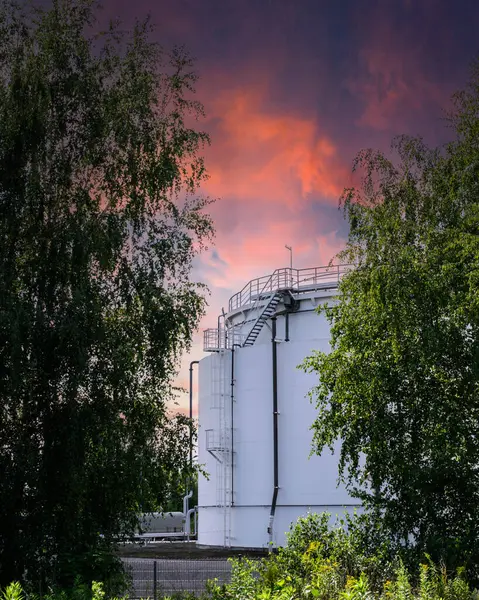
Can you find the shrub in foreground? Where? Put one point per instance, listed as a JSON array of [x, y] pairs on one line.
[[351, 561], [324, 579]]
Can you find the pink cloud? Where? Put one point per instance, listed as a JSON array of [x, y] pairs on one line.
[[394, 82], [271, 170], [260, 153], [266, 165], [393, 90]]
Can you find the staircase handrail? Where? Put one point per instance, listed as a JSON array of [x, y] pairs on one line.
[[272, 298], [244, 297], [263, 290]]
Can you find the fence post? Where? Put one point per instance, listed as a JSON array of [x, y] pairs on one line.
[[155, 573]]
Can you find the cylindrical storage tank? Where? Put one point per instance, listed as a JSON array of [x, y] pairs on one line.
[[246, 375]]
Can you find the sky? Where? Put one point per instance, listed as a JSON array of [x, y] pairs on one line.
[[292, 90]]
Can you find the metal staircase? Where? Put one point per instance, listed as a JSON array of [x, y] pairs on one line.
[[270, 303]]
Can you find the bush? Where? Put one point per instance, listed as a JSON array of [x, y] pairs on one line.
[[80, 591], [355, 544], [350, 561]]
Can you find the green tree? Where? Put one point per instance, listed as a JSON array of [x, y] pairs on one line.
[[99, 224], [400, 386]]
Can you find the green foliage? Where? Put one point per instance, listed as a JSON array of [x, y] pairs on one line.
[[318, 564], [400, 387], [244, 580], [99, 226], [357, 589], [355, 544], [79, 591], [13, 592]]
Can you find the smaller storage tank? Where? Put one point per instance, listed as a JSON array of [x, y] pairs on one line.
[[255, 417], [158, 525]]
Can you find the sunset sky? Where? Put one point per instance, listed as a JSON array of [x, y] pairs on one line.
[[292, 90]]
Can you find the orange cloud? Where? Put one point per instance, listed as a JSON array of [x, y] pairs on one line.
[[262, 154], [261, 252], [271, 169]]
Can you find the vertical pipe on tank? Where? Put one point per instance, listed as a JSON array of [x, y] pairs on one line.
[[222, 338], [232, 420], [190, 492], [193, 362], [275, 430]]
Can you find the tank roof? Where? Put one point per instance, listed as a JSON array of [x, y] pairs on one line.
[[294, 280], [264, 293]]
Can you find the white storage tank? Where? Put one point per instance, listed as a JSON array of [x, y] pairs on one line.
[[254, 415]]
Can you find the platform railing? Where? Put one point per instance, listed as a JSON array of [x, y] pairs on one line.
[[287, 278], [213, 341], [212, 440]]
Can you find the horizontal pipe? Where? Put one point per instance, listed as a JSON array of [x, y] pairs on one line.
[[306, 507]]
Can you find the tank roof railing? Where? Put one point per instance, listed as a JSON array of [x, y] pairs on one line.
[[296, 280]]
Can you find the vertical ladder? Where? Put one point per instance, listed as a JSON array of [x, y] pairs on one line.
[[221, 449], [217, 380]]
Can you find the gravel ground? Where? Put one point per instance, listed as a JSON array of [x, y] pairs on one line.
[[182, 550]]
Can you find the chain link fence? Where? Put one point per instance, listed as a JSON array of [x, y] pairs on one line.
[[156, 578]]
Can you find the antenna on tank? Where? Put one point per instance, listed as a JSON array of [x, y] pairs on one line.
[[290, 255]]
